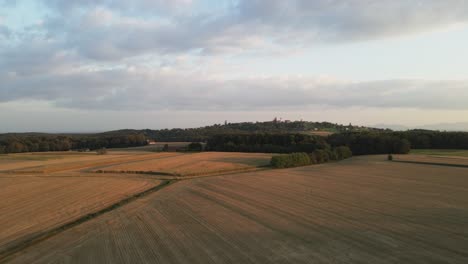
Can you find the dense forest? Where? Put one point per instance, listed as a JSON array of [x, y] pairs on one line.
[[427, 139], [266, 142], [360, 143], [366, 143], [399, 142]]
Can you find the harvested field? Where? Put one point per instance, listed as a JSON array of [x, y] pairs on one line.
[[31, 205], [196, 164], [442, 160], [75, 162], [441, 152], [362, 210], [25, 160]]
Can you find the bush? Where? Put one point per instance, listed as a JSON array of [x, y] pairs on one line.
[[390, 157], [290, 160], [322, 156], [102, 151], [195, 146], [313, 158], [343, 152]]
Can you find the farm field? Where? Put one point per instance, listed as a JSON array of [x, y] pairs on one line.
[[441, 152], [52, 163], [196, 163], [362, 210], [25, 160], [43, 191], [442, 160], [30, 205]]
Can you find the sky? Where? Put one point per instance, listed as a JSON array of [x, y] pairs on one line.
[[96, 65]]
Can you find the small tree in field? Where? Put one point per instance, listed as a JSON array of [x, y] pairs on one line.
[[102, 151], [166, 147], [195, 146]]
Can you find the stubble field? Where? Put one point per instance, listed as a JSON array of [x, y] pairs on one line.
[[30, 205], [460, 161], [196, 163], [363, 210]]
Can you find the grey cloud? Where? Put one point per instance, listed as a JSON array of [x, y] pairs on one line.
[[37, 58], [4, 32], [154, 90], [285, 23], [353, 19], [125, 6]]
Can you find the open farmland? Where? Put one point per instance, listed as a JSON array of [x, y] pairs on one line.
[[432, 159], [363, 210], [30, 205], [196, 164], [72, 162], [40, 192], [441, 152], [29, 160]]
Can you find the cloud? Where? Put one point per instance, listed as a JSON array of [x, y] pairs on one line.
[[115, 30], [325, 20], [155, 89], [4, 32], [78, 56], [8, 3], [135, 7]]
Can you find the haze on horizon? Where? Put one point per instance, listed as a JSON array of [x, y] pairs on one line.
[[103, 65]]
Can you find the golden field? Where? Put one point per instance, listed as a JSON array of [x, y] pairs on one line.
[[195, 164], [361, 210]]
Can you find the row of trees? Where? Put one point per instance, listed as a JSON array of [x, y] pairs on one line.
[[17, 143], [362, 143], [316, 157], [399, 142], [267, 143], [371, 143], [426, 139]]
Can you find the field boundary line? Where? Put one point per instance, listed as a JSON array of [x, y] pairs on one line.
[[432, 163], [174, 176], [16, 247]]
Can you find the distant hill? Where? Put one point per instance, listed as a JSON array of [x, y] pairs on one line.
[[276, 126], [461, 126], [33, 142]]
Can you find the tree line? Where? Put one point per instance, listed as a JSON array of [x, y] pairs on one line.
[[266, 143], [359, 143], [17, 143], [203, 134], [316, 157], [427, 139], [371, 143]]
